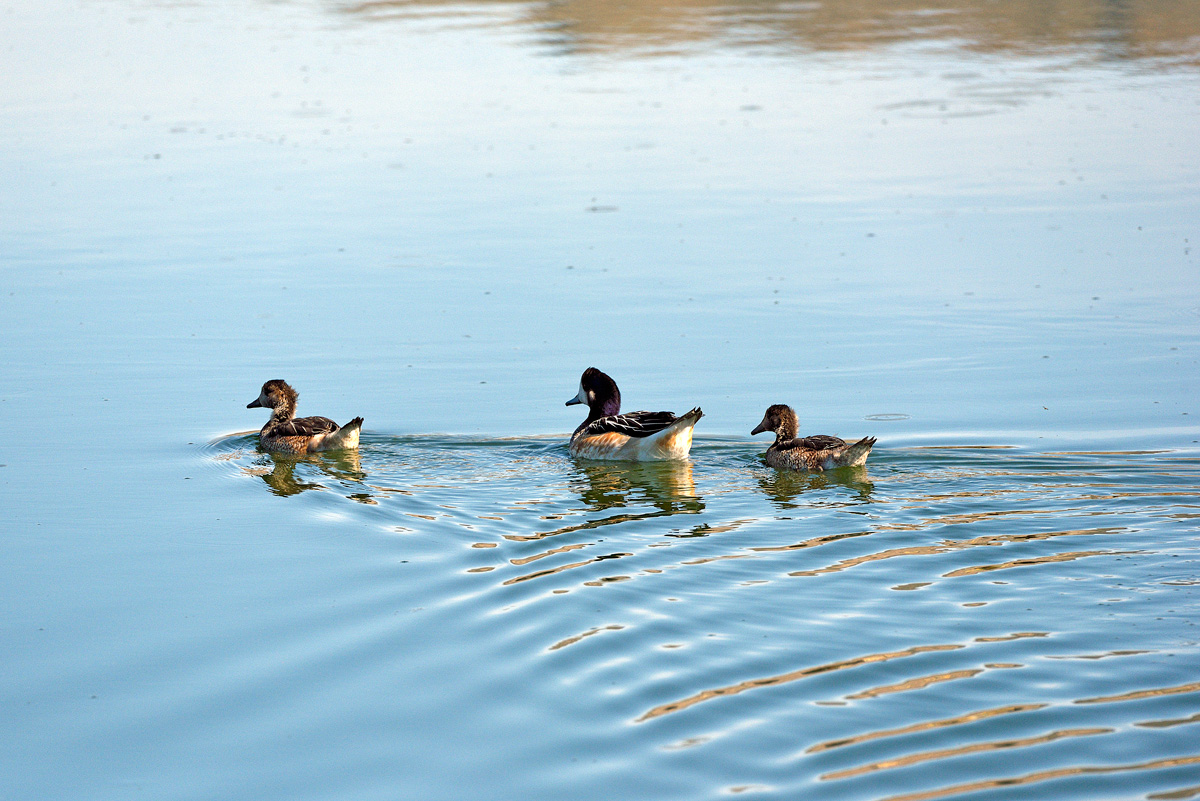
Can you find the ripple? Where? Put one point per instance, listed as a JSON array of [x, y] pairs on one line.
[[1138, 695], [919, 683], [653, 590], [1044, 776], [1166, 724], [974, 748], [958, 720], [795, 675]]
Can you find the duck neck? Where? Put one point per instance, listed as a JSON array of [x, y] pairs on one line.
[[787, 428], [611, 406], [285, 411]]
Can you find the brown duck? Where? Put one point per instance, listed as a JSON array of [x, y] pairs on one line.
[[818, 452], [286, 433]]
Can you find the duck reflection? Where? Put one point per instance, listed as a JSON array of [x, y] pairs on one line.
[[667, 486], [782, 487], [342, 466]]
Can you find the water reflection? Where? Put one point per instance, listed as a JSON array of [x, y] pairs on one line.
[[1105, 30], [690, 636], [958, 720], [791, 676], [962, 750], [782, 488], [345, 466], [667, 486], [1051, 775]]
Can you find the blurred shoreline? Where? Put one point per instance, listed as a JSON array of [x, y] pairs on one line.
[[1102, 29]]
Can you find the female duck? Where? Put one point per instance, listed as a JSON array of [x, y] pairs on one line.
[[286, 433], [818, 452], [634, 436]]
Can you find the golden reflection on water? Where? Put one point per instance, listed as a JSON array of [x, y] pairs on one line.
[[562, 549], [1042, 776], [1127, 30], [784, 678], [810, 543], [563, 568], [1169, 723], [1105, 655], [947, 546], [589, 633], [974, 748], [974, 517], [1140, 694], [958, 720], [1019, 635], [1176, 795], [918, 683], [1070, 556]]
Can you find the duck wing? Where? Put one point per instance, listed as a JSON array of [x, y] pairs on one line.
[[631, 424], [817, 442], [305, 427]]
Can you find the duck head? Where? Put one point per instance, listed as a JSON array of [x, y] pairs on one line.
[[277, 395], [779, 418], [599, 392]]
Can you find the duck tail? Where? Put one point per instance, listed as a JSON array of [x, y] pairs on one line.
[[675, 441], [856, 454], [344, 437]]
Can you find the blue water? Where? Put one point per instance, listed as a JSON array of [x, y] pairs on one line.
[[966, 231]]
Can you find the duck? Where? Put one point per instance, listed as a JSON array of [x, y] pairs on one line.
[[816, 453], [633, 436], [286, 433]]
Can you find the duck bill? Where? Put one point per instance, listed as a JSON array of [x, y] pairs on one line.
[[254, 404], [580, 398], [758, 429]]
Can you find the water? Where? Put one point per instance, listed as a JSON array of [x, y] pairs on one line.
[[965, 229]]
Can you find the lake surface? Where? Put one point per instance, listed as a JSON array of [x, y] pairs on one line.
[[966, 228]]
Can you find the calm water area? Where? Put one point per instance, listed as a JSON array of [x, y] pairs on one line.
[[967, 228]]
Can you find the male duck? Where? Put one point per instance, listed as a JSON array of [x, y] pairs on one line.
[[634, 436], [285, 433], [818, 452]]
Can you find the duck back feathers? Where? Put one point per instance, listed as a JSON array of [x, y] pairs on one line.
[[783, 457]]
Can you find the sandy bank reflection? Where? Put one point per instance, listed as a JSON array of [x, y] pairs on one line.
[[783, 488], [281, 478], [1107, 30]]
